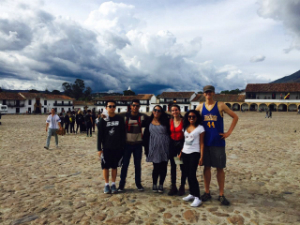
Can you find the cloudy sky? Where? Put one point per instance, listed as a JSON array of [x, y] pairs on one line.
[[150, 45]]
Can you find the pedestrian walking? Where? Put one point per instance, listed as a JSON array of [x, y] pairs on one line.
[[52, 125]]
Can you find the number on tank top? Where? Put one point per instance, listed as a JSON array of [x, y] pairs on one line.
[[211, 125]]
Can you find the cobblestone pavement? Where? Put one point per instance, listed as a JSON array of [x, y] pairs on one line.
[[65, 185]]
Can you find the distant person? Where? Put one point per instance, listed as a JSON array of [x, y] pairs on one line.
[[67, 121], [72, 122], [156, 140], [212, 113], [88, 123], [267, 113], [79, 120], [62, 118], [176, 145], [193, 153], [52, 125], [98, 119], [94, 119], [298, 112], [111, 142], [270, 113]]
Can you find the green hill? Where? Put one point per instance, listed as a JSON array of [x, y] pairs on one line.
[[294, 78]]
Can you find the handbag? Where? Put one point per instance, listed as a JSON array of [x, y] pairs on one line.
[[61, 132]]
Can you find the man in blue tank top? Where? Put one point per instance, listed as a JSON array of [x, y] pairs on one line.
[[214, 140]]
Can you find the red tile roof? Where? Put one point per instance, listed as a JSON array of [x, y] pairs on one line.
[[221, 98], [10, 96], [125, 98], [176, 94], [28, 95], [273, 87]]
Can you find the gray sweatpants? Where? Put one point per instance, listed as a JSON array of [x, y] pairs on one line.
[[50, 133]]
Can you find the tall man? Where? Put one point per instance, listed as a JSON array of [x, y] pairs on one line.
[[52, 124], [134, 121], [111, 142], [214, 142]]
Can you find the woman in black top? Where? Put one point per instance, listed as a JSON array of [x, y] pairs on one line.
[[67, 122], [79, 121]]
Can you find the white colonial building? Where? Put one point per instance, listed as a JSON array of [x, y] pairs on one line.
[[25, 102], [183, 99]]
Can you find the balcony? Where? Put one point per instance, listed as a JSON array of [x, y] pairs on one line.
[[62, 104], [273, 100], [174, 102], [15, 105]]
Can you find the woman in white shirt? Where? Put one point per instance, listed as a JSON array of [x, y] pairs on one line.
[[192, 153]]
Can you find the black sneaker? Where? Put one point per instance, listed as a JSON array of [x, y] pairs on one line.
[[45, 147], [223, 200], [140, 187], [160, 189], [120, 188], [154, 188], [173, 190], [205, 197]]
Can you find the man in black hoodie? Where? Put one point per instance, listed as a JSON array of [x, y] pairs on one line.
[[111, 142]]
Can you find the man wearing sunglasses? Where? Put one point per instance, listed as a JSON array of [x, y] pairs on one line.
[[134, 123], [214, 140], [111, 142]]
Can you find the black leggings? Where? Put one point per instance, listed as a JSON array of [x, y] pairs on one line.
[[67, 127], [173, 172], [78, 126], [89, 128], [159, 170], [72, 129], [190, 162]]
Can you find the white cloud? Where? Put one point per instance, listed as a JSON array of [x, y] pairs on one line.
[[257, 58]]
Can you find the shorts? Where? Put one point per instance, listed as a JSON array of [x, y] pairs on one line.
[[111, 159], [214, 156]]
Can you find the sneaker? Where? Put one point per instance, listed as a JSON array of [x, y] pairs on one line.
[[107, 189], [205, 197], [113, 189], [120, 188], [188, 198], [87, 135], [45, 147], [173, 190], [160, 188], [196, 202], [140, 187], [181, 191], [154, 188], [90, 135], [223, 200]]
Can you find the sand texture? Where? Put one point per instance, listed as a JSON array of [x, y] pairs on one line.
[[65, 185]]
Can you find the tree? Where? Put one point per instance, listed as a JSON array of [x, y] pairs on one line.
[[88, 93], [56, 92], [67, 89], [200, 92], [33, 91], [128, 92], [78, 88]]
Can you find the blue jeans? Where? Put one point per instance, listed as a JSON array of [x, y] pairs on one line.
[[136, 150], [50, 133]]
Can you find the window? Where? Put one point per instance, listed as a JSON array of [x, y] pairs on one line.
[[45, 102], [69, 102], [143, 101], [29, 102], [4, 102], [162, 99], [55, 103]]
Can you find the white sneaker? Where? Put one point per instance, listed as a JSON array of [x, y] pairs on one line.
[[188, 198], [196, 202]]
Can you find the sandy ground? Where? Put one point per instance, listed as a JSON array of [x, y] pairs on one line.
[[65, 186]]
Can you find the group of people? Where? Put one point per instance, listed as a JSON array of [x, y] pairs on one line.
[[197, 139], [268, 113]]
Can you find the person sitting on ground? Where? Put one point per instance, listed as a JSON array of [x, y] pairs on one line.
[[111, 141]]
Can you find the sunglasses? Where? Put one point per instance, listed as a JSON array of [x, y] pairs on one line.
[[191, 117], [133, 105], [157, 110], [111, 106]]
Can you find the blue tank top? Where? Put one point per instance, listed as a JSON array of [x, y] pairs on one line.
[[214, 124]]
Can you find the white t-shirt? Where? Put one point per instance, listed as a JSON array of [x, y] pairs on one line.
[[53, 121], [192, 140]]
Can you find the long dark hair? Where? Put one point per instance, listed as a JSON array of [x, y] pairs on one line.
[[186, 122], [163, 119], [178, 107]]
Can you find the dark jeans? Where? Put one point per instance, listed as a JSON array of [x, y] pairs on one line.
[[136, 150], [190, 162], [67, 127], [159, 170], [89, 129], [173, 172], [78, 126], [72, 129]]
